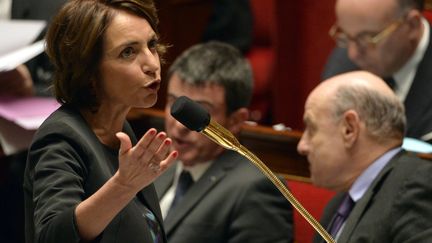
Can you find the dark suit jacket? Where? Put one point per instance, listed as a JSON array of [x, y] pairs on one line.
[[418, 103], [397, 207], [35, 9], [232, 202], [230, 22], [67, 164]]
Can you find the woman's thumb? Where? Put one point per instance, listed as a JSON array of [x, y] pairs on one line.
[[125, 142]]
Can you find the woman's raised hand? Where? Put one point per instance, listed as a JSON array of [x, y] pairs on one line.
[[141, 164]]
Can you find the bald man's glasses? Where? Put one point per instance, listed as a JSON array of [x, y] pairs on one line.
[[363, 40]]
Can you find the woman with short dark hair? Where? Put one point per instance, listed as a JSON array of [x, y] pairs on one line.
[[88, 179]]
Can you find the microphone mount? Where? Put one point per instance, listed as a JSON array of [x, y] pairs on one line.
[[196, 118]]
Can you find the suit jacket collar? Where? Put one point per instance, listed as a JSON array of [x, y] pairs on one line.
[[362, 205], [215, 173], [164, 182]]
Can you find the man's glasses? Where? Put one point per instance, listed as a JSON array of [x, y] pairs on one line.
[[363, 40]]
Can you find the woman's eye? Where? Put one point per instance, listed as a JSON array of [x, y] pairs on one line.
[[127, 52], [153, 44]]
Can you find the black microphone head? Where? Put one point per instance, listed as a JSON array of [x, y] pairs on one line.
[[189, 113]]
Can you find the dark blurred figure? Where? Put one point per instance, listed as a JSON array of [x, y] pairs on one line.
[[230, 22], [39, 67], [26, 80], [188, 22]]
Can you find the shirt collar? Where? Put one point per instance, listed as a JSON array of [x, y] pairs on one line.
[[405, 76], [196, 171], [362, 183]]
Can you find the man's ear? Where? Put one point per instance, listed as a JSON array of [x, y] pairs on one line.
[[350, 128], [236, 120], [413, 19]]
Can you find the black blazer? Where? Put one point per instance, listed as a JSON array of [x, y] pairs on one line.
[[66, 164], [418, 103], [397, 207], [35, 9], [232, 202]]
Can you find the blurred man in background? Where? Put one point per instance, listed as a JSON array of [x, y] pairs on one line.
[[391, 39]]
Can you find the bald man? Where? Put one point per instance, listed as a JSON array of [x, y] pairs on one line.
[[354, 129], [391, 39]]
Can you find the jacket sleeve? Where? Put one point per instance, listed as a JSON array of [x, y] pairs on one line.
[[56, 173], [263, 215]]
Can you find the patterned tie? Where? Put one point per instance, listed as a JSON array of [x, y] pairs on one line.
[[155, 230], [184, 182], [341, 215]]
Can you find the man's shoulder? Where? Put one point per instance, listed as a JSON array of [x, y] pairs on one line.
[[407, 169], [244, 174], [411, 162]]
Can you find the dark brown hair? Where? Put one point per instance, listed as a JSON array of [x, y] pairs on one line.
[[75, 45]]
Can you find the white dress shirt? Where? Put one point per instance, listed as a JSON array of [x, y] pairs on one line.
[[196, 172]]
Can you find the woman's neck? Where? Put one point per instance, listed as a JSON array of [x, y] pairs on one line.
[[105, 123]]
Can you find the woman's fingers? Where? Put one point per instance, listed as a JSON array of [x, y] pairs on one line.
[[153, 147], [168, 161], [142, 145], [142, 163], [160, 155], [163, 150], [125, 142]]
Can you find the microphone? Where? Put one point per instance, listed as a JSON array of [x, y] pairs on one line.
[[193, 116]]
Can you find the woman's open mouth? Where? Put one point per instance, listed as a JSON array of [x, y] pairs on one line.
[[153, 85]]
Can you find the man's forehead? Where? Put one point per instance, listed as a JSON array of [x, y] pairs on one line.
[[355, 16], [313, 106]]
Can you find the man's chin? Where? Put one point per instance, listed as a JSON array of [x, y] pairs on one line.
[[187, 163], [374, 70]]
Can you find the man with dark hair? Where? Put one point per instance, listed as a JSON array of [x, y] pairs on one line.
[[213, 195], [391, 39]]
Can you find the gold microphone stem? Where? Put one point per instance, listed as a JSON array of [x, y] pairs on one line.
[[223, 137]]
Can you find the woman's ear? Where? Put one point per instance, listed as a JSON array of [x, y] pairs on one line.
[[350, 128], [236, 120]]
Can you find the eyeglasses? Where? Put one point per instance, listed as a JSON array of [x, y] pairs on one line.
[[363, 40]]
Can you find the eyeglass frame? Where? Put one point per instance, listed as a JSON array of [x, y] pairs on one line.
[[372, 40]]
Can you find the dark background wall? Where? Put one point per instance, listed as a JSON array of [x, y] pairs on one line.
[[298, 37]]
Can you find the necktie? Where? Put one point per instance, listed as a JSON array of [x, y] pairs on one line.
[[390, 82], [184, 182], [341, 215], [155, 230], [151, 220]]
